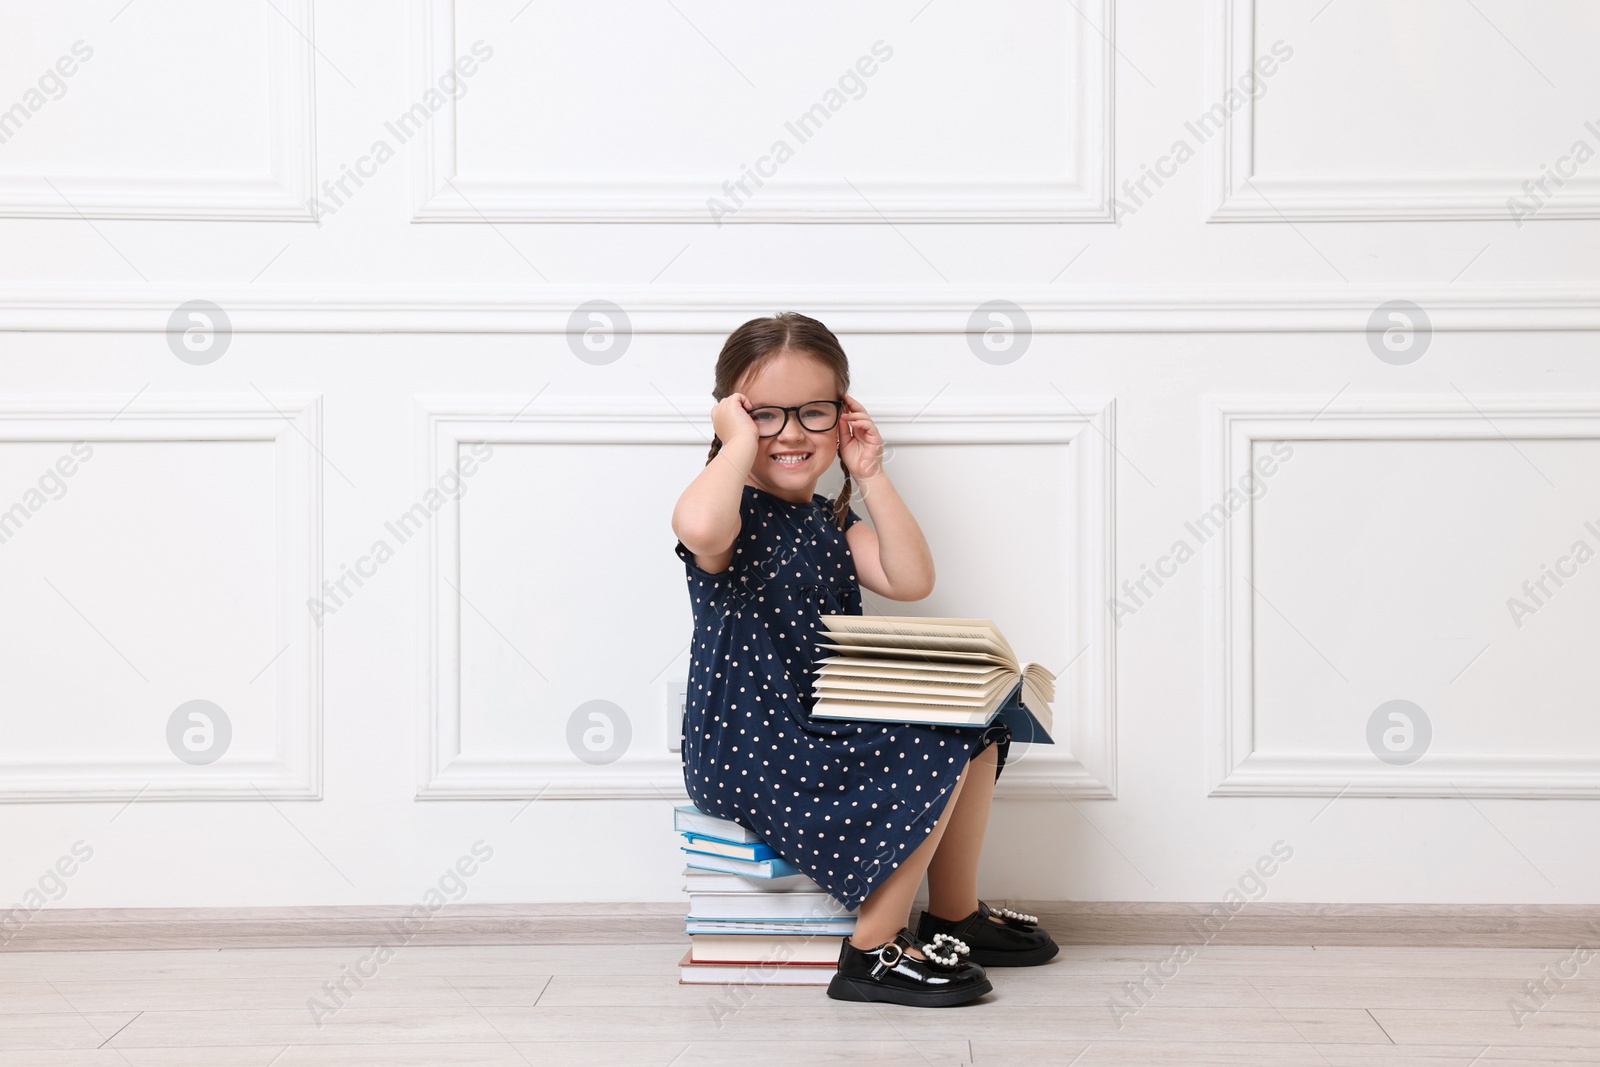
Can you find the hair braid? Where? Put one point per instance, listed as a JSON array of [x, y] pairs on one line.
[[841, 503]]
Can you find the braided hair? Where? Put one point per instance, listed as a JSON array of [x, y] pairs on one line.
[[755, 344]]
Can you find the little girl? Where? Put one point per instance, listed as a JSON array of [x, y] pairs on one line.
[[864, 809]]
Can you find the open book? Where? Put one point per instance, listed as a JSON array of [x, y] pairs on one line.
[[941, 672]]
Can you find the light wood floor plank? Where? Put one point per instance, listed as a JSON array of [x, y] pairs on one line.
[[191, 994], [813, 1053], [1488, 994], [60, 1029], [1409, 1026], [1264, 1054], [603, 1004]]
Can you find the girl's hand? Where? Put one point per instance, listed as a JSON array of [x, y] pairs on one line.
[[860, 447], [731, 421]]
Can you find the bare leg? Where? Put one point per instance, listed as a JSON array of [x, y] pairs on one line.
[[953, 871], [888, 907]]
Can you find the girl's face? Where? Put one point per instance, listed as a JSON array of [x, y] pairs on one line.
[[789, 464]]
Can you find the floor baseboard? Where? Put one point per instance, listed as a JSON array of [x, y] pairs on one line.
[[1070, 922]]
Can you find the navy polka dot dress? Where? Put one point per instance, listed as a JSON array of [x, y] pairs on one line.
[[845, 802]]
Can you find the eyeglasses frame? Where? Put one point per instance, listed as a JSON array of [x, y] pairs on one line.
[[838, 411]]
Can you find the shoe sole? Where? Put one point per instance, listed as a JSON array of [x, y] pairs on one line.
[[1031, 958], [843, 988]]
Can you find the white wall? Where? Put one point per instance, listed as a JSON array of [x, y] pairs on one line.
[[1232, 313]]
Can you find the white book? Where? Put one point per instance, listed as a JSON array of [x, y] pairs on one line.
[[698, 881], [692, 973], [690, 819], [797, 904], [759, 948], [842, 927]]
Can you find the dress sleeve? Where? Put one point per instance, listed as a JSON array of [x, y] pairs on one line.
[[698, 571], [850, 516]]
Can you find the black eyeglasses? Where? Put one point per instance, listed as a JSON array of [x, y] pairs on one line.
[[818, 416]]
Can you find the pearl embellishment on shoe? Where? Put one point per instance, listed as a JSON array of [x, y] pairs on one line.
[[1007, 913], [958, 948]]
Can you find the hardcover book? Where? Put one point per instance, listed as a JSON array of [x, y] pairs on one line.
[[793, 972], [712, 846], [776, 869], [764, 948], [696, 880], [686, 818]]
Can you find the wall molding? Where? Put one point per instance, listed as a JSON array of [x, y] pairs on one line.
[[280, 195], [1090, 922], [292, 424], [716, 309], [1234, 765], [1081, 764], [1238, 194], [442, 194]]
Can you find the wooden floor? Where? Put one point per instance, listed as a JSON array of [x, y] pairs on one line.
[[617, 1004]]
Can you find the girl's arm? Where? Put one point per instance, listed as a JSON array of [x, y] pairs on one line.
[[893, 562], [706, 518]]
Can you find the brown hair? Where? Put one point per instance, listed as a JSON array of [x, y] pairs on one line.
[[757, 343]]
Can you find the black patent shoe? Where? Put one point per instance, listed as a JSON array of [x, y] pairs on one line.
[[1018, 943], [890, 973]]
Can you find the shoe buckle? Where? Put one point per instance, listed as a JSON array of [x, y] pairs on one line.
[[884, 963]]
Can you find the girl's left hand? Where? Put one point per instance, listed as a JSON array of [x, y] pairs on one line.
[[860, 447]]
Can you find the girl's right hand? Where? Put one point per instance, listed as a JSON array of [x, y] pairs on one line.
[[731, 421]]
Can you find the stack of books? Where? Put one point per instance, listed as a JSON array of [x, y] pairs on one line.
[[942, 672], [754, 919]]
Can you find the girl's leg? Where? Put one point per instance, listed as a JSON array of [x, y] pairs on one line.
[[888, 907], [953, 871]]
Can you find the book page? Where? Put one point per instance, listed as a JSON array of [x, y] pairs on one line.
[[920, 644], [842, 697], [893, 630], [908, 624], [909, 670], [933, 694], [921, 655]]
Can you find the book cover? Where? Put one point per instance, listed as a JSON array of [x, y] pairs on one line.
[[767, 973], [687, 817], [805, 904], [694, 924], [776, 869], [759, 850], [762, 948], [700, 881]]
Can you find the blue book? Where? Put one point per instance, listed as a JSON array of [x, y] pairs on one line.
[[770, 868], [757, 850], [1025, 726]]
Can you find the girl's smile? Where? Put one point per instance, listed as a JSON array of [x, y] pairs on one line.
[[794, 459], [790, 460]]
